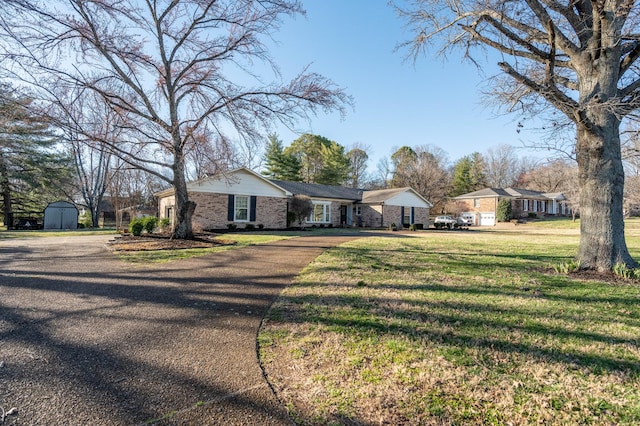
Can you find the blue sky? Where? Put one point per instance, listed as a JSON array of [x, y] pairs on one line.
[[397, 102]]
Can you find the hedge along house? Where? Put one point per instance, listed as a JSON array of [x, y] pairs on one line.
[[243, 197]]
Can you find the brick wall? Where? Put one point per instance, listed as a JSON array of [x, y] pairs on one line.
[[487, 205], [212, 209], [421, 215], [371, 216]]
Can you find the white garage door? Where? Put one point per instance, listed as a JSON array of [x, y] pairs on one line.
[[487, 219]]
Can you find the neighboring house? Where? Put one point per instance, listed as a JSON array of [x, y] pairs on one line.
[[481, 206], [245, 197]]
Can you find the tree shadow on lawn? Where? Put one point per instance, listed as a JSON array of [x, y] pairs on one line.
[[347, 315]]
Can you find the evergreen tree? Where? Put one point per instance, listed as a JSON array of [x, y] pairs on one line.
[[336, 166], [280, 165], [33, 171], [321, 160], [461, 182], [468, 174]]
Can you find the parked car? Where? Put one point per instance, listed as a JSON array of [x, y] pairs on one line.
[[463, 221], [444, 222]]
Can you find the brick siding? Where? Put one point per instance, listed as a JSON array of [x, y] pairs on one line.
[[211, 211]]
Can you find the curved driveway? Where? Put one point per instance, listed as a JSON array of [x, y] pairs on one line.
[[87, 339]]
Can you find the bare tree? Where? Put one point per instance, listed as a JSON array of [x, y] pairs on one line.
[[581, 58], [555, 176], [424, 168], [358, 159], [502, 166], [85, 113], [172, 63]]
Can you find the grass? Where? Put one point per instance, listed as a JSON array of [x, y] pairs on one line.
[[457, 328]]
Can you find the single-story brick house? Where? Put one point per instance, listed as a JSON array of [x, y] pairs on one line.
[[243, 197], [481, 206]]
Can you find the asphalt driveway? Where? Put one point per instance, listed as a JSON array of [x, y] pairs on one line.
[[88, 339]]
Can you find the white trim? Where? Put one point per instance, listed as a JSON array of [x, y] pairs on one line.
[[236, 209], [326, 212]]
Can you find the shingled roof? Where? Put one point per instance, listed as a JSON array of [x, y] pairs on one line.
[[381, 195], [500, 192], [320, 191]]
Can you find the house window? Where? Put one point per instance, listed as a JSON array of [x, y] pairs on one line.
[[241, 208], [321, 213], [476, 203], [525, 205], [407, 216], [358, 210]]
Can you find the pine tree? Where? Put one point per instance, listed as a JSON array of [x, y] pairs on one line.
[[280, 165], [33, 171], [335, 170]]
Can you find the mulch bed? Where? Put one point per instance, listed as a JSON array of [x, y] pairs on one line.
[[149, 242]]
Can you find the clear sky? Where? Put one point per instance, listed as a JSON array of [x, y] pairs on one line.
[[397, 102]]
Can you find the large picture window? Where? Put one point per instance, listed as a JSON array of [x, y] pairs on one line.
[[321, 213], [242, 208]]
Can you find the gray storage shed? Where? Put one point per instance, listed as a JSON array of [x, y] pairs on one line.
[[61, 215]]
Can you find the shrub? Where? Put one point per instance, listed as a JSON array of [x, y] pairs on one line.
[[412, 227], [533, 215], [301, 206], [136, 226], [149, 223], [164, 223], [231, 226], [261, 226], [393, 227], [85, 220], [504, 213], [250, 226], [291, 218]]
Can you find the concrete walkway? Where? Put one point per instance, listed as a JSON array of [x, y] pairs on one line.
[[87, 339]]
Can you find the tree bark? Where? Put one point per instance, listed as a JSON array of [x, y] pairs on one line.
[[600, 169], [184, 207], [5, 189]]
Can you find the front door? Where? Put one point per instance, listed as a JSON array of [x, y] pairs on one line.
[[343, 215]]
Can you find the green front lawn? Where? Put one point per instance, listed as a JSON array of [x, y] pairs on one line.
[[456, 328]]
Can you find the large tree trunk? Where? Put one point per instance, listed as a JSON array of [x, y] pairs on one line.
[[5, 190], [601, 176], [184, 208]]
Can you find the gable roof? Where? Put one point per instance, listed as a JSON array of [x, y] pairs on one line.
[[507, 192], [485, 193], [383, 195], [315, 190], [227, 179]]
